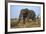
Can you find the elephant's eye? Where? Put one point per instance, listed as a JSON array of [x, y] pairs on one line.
[[24, 12]]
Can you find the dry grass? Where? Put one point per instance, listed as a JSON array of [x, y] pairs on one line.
[[27, 24]]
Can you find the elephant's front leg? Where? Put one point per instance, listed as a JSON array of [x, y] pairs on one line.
[[23, 20], [28, 17]]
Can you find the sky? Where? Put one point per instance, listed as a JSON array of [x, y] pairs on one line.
[[15, 10]]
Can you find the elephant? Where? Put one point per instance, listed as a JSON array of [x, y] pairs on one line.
[[26, 13]]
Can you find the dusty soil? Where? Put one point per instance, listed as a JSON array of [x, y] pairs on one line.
[[27, 24]]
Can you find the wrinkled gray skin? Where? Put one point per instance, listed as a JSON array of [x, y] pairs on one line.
[[26, 13]]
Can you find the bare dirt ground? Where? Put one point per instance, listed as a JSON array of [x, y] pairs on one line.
[[27, 24]]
